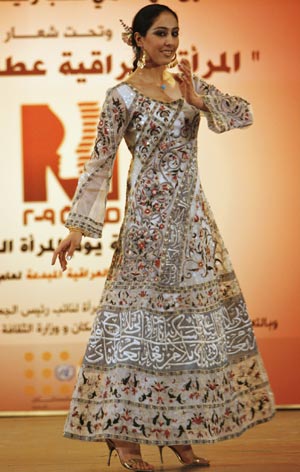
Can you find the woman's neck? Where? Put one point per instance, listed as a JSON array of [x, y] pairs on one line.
[[152, 75]]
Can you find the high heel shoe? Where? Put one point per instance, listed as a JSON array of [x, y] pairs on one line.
[[197, 461], [130, 464]]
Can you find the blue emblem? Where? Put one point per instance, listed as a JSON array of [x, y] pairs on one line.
[[64, 372]]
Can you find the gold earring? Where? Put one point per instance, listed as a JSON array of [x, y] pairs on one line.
[[142, 60], [173, 62]]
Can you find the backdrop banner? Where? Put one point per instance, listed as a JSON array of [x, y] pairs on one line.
[[58, 57]]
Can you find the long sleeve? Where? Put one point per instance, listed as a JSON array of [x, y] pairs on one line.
[[226, 111], [89, 202]]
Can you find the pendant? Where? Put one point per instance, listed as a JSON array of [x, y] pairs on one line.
[[163, 86]]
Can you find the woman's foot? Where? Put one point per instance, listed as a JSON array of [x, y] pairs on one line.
[[186, 455], [130, 455]]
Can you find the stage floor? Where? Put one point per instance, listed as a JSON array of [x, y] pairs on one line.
[[35, 444]]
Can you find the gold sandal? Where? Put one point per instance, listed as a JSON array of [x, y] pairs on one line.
[[130, 464], [197, 461]]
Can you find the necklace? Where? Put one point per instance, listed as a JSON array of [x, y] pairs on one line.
[[163, 86]]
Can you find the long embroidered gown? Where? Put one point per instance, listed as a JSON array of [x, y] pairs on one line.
[[172, 357]]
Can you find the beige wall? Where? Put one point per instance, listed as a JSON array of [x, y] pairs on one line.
[[251, 178]]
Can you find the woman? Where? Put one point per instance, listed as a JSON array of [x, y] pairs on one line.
[[172, 358]]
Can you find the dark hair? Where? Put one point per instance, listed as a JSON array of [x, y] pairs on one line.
[[142, 21]]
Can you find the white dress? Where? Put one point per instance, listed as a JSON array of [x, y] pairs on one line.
[[172, 357]]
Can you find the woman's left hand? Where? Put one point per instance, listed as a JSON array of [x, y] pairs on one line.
[[185, 81]]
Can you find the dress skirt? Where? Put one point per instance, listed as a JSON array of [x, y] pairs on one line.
[[172, 357]]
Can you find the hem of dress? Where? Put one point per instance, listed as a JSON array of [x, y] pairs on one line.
[[103, 437]]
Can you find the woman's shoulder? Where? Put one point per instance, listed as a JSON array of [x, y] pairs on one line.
[[122, 91], [124, 87]]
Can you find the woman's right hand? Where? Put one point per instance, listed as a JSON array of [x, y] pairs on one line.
[[66, 248]]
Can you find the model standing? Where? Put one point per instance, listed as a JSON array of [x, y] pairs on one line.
[[172, 358]]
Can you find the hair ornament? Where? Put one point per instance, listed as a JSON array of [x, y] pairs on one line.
[[127, 34]]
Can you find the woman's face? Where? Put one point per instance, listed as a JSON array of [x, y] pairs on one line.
[[161, 40]]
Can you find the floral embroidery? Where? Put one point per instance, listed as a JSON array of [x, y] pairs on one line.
[[179, 408], [172, 357]]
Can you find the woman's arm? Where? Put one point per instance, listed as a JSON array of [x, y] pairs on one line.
[[86, 217], [89, 202], [223, 111]]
